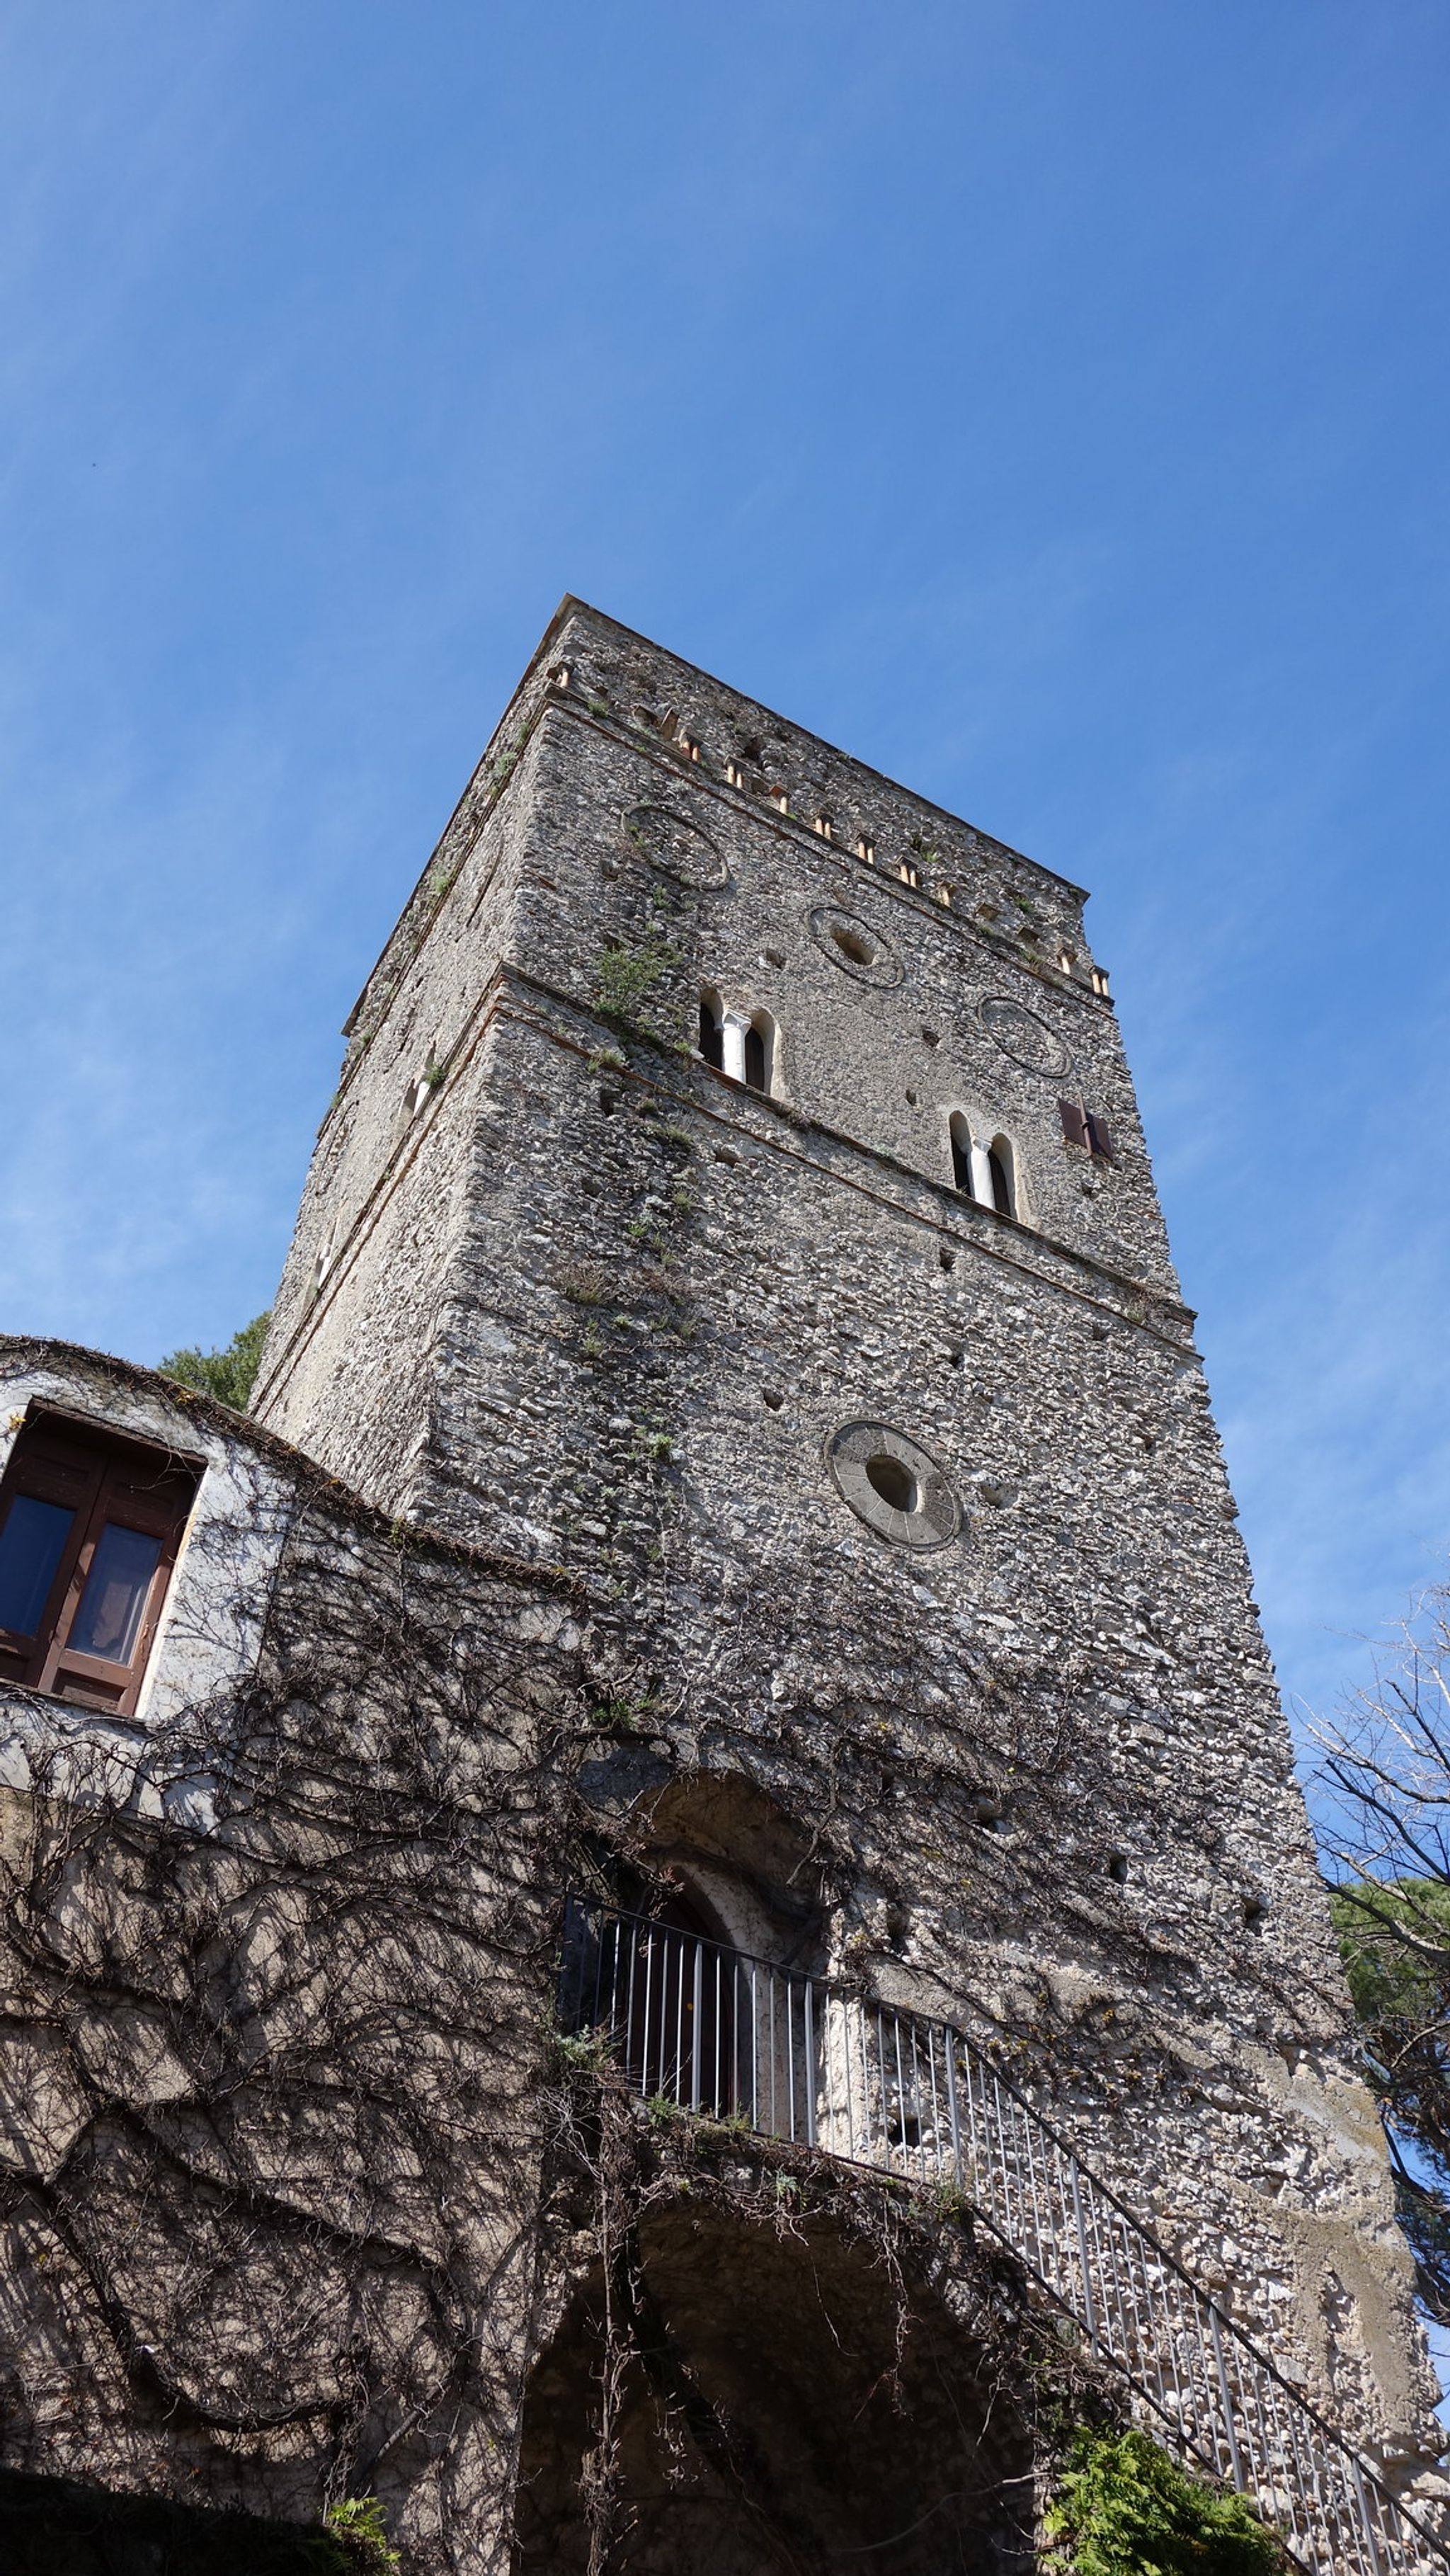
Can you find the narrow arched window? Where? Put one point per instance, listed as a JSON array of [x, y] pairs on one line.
[[760, 1052], [1004, 1177], [961, 1136], [712, 1031]]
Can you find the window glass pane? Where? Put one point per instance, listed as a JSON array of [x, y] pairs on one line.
[[115, 1594], [30, 1550]]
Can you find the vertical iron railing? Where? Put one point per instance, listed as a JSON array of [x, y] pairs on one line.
[[713, 2031]]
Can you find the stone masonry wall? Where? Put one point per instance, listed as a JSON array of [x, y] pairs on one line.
[[1043, 1761], [270, 2138]]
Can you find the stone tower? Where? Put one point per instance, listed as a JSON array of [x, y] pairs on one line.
[[735, 1195]]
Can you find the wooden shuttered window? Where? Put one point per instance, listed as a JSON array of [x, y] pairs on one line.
[[1086, 1127], [90, 1526]]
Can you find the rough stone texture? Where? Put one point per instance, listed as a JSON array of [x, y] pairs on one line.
[[654, 1296], [270, 2137], [553, 1550]]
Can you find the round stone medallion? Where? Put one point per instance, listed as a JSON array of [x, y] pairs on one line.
[[1024, 1037], [676, 847], [856, 946], [893, 1484]]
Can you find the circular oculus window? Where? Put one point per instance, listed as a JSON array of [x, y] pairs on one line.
[[855, 945], [674, 845], [893, 1484], [1022, 1036]]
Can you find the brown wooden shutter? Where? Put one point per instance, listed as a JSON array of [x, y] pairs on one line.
[[1074, 1122], [1100, 1137]]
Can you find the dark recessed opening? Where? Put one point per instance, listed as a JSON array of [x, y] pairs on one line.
[[947, 1259], [932, 1037], [911, 1099], [955, 1358], [851, 944], [608, 1100], [773, 1400], [1117, 1867], [893, 1481], [1254, 1911]]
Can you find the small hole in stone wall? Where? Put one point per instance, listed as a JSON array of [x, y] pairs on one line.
[[1117, 1867], [775, 957], [988, 1815], [851, 944], [608, 1102], [589, 1185], [955, 1358], [1254, 1911], [772, 1399], [893, 1480], [947, 1259], [932, 1037], [911, 1099]]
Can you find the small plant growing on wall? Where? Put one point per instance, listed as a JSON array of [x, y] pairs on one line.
[[626, 979]]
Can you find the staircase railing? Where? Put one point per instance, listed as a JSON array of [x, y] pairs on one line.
[[713, 2031]]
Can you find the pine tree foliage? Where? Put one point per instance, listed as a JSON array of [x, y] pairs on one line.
[[227, 1374]]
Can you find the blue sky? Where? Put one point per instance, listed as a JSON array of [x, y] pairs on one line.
[[1046, 402]]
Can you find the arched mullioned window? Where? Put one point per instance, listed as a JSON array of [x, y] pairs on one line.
[[712, 1030], [961, 1136], [1002, 1164], [760, 1052]]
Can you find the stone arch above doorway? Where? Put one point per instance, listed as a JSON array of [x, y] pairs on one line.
[[789, 2399]]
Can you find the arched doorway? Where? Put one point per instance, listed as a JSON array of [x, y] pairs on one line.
[[788, 2405]]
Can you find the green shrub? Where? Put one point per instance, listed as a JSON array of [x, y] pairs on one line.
[[358, 2536], [1126, 2509]]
